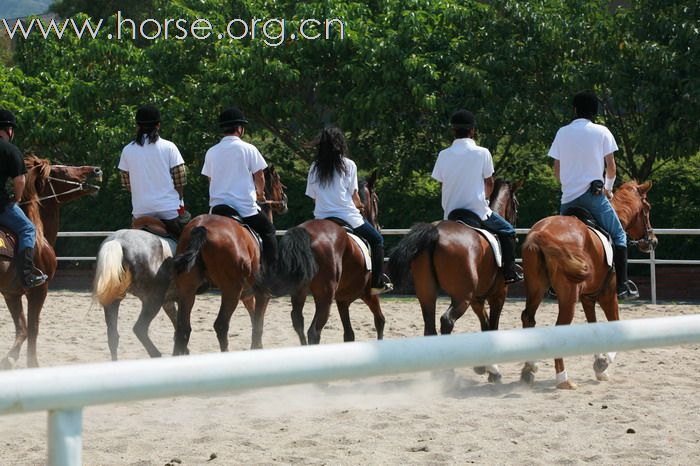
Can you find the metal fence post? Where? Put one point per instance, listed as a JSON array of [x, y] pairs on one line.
[[65, 437], [652, 265]]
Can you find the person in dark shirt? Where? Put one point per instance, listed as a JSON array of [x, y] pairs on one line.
[[11, 216]]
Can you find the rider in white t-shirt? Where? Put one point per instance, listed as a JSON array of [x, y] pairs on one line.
[[332, 184], [466, 173], [582, 152], [236, 179], [153, 170]]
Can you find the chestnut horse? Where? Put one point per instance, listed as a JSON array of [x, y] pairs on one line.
[[562, 252], [221, 251], [319, 257], [47, 187], [457, 259]]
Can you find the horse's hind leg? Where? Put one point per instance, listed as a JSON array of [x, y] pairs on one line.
[[35, 302], [14, 305], [567, 296], [258, 320], [489, 321], [229, 301], [426, 290], [455, 311], [372, 302], [111, 319], [344, 311], [608, 302], [536, 284], [298, 300], [183, 327], [149, 309], [323, 301]]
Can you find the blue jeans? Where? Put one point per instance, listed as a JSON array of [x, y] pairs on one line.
[[498, 225], [368, 232], [14, 218], [603, 213], [376, 243]]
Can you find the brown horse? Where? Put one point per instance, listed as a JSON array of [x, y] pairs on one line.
[[457, 259], [563, 253], [221, 251], [47, 187], [319, 257]]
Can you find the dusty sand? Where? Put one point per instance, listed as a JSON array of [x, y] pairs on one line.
[[411, 419]]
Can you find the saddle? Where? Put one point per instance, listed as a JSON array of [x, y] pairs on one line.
[[471, 220], [362, 243], [153, 225], [588, 220], [225, 210], [8, 243]]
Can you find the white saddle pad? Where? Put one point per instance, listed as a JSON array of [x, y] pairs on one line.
[[169, 247], [607, 247], [493, 241], [364, 249]]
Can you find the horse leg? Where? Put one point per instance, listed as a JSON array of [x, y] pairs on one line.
[[608, 302], [298, 300], [372, 301], [183, 329], [170, 309], [323, 301], [344, 311], [454, 312], [14, 305], [149, 310], [496, 302], [35, 302], [258, 320], [426, 290], [568, 296], [229, 301], [536, 284], [111, 319]]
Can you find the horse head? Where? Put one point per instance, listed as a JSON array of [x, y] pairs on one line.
[[61, 183], [633, 208], [503, 200], [370, 200], [274, 192]]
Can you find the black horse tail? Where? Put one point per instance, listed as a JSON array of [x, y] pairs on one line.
[[296, 265], [186, 260], [421, 237]]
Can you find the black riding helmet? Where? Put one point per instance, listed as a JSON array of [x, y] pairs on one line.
[[147, 115], [463, 119], [7, 119], [232, 117]]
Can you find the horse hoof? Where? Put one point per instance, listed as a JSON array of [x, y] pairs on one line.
[[602, 376], [600, 365], [567, 385], [481, 370], [495, 378], [8, 363], [527, 377]]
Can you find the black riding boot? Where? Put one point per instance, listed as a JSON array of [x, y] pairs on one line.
[[626, 289], [511, 272], [269, 241], [380, 284], [30, 275]]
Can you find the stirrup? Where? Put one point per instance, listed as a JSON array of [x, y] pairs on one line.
[[35, 280], [516, 277], [628, 290], [385, 287]]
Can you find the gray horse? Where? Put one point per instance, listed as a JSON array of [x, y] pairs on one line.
[[140, 263]]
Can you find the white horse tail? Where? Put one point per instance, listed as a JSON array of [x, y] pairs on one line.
[[111, 279]]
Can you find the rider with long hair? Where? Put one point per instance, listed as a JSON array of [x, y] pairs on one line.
[[332, 184], [153, 171], [465, 171], [582, 151], [11, 216]]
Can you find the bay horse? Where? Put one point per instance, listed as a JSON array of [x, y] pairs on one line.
[[319, 257], [47, 187], [457, 259], [562, 252], [221, 251]]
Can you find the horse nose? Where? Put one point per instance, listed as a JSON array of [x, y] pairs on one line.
[[654, 242]]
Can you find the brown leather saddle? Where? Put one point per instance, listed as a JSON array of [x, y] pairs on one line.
[[8, 243], [156, 226]]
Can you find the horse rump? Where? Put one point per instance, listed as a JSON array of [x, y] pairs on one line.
[[421, 237], [186, 260], [295, 265], [111, 278], [547, 251]]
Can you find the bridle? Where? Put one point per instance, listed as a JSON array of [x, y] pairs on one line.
[[648, 230], [79, 187]]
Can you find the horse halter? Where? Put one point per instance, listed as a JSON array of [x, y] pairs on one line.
[[79, 187], [648, 230]]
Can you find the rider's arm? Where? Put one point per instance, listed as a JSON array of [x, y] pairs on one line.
[[488, 186], [259, 179], [19, 182], [179, 178], [357, 201], [610, 171], [126, 182], [556, 169]]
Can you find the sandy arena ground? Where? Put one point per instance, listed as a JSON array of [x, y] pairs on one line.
[[648, 413]]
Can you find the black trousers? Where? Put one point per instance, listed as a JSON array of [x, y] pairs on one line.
[[264, 227]]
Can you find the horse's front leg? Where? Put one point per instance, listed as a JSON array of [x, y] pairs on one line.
[[608, 302], [149, 310], [35, 302], [14, 305]]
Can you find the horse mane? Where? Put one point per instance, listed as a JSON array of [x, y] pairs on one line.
[[496, 200], [625, 199], [38, 171]]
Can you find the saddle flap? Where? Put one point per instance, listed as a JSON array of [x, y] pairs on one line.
[[364, 247], [607, 245], [152, 225], [493, 241], [8, 243]]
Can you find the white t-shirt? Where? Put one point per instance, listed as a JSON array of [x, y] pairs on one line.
[[335, 198], [462, 168], [152, 187], [581, 147], [230, 165]]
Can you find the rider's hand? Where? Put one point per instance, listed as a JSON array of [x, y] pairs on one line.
[[608, 194], [260, 197]]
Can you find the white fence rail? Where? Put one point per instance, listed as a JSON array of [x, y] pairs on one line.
[[64, 391], [652, 261]]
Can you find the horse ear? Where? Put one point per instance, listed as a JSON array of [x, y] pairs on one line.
[[645, 187], [517, 185]]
